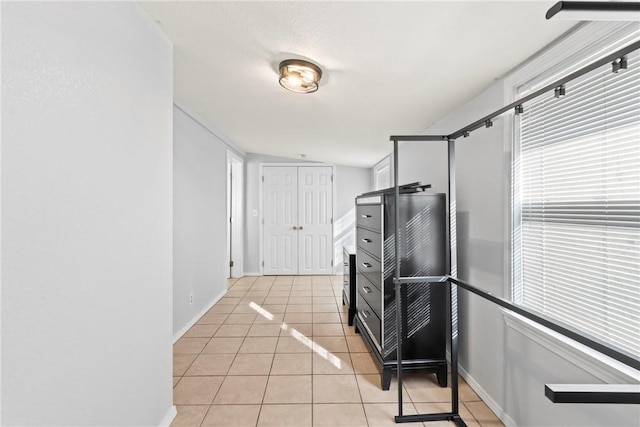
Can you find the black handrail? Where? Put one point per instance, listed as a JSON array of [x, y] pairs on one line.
[[568, 331]]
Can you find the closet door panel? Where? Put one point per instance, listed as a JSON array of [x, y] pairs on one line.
[[280, 198], [315, 211]]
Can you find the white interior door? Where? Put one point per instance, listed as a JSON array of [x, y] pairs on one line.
[[280, 204], [230, 214], [298, 223], [315, 211], [235, 220]]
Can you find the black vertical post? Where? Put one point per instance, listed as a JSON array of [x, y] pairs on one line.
[[453, 265], [396, 224]]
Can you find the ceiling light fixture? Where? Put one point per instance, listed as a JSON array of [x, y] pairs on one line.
[[595, 11], [299, 76]]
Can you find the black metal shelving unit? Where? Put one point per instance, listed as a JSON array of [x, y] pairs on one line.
[[557, 393]]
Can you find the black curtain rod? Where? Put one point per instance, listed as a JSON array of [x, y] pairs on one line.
[[599, 63], [483, 121]]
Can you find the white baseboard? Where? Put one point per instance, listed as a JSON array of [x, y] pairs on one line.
[[197, 317], [492, 404], [168, 419], [248, 273]]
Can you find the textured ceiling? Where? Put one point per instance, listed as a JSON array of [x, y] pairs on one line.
[[388, 67]]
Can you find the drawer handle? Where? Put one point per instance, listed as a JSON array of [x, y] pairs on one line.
[[366, 264], [367, 240], [366, 216], [366, 289], [365, 313], [346, 264]]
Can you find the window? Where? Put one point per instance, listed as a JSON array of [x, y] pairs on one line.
[[382, 174], [576, 199]]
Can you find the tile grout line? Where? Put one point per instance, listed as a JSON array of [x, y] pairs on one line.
[[268, 378], [267, 384], [197, 356], [343, 326], [243, 341], [353, 368], [366, 418]]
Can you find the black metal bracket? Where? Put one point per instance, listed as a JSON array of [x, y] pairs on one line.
[[593, 6], [593, 393]]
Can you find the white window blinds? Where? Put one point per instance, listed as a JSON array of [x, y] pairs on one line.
[[577, 189]]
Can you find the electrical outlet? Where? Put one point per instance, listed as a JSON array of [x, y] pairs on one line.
[[191, 298]]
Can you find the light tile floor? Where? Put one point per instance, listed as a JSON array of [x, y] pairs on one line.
[[277, 351]]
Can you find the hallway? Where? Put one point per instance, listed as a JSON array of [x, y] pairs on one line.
[[277, 351]]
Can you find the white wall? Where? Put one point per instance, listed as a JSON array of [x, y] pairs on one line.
[[508, 365], [86, 215], [350, 182], [425, 162], [200, 219]]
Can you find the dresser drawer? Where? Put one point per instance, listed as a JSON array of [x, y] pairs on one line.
[[370, 267], [345, 281], [369, 216], [369, 318], [345, 267], [370, 293], [370, 241]]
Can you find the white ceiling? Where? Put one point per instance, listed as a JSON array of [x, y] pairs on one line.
[[388, 67]]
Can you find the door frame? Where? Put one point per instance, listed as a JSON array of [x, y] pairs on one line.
[[385, 165], [262, 165], [235, 164]]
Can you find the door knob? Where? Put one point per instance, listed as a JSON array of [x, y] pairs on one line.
[[300, 228], [295, 228]]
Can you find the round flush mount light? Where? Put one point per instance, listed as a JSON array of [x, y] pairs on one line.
[[299, 76]]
